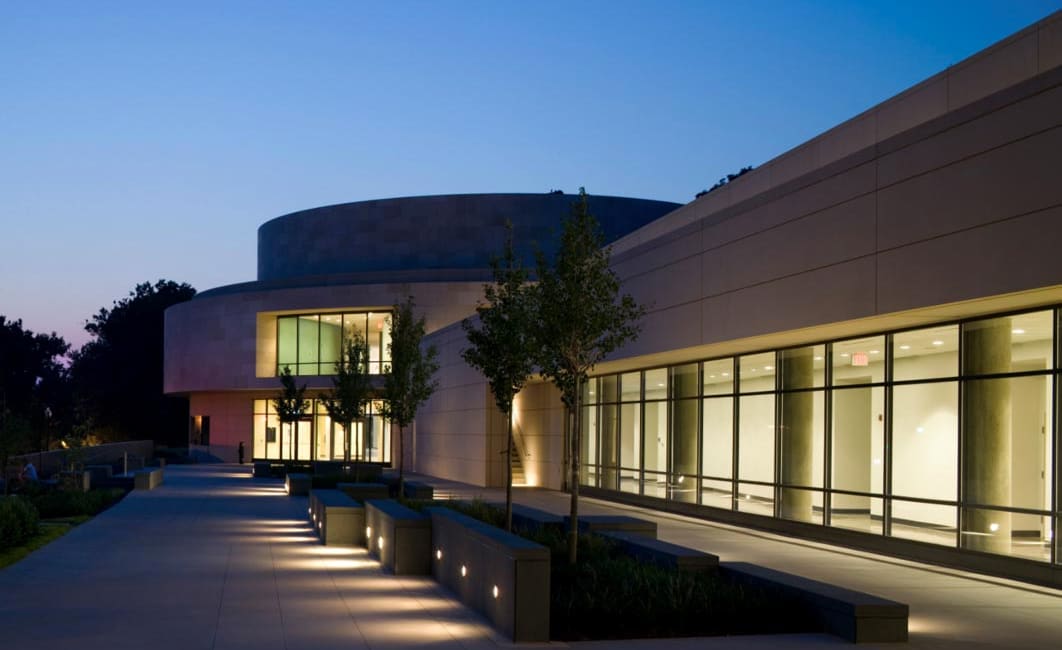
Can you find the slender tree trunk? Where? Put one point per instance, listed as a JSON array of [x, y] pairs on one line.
[[509, 474], [567, 449], [573, 532], [357, 454], [401, 462]]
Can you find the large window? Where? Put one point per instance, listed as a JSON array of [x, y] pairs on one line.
[[317, 437], [943, 435], [311, 344]]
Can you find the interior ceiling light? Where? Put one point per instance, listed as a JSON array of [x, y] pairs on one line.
[[1017, 331], [905, 347], [875, 351], [938, 342]]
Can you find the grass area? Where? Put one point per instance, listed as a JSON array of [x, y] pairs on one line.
[[50, 530]]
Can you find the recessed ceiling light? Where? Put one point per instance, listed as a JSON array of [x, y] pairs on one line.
[[726, 374], [875, 352], [768, 367], [905, 347], [845, 355], [660, 385], [938, 342], [1017, 331], [818, 358], [711, 376]]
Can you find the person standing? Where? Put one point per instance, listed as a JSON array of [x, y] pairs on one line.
[[239, 450]]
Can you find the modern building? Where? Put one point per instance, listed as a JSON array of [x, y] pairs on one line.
[[857, 342]]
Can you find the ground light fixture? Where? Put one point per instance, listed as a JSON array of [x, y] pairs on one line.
[[464, 571], [438, 554], [379, 542], [495, 591], [368, 534]]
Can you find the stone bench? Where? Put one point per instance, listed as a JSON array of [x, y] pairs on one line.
[[661, 553], [622, 523], [528, 518], [503, 576], [338, 519], [147, 479], [398, 537], [297, 485], [418, 490], [262, 469], [364, 491], [853, 615]]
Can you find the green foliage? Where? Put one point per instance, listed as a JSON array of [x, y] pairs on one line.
[[18, 521], [73, 503], [502, 344], [291, 404], [48, 533], [581, 319], [408, 381], [351, 389], [724, 181], [34, 388], [117, 376]]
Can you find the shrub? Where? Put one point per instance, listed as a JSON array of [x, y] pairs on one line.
[[18, 521], [73, 503]]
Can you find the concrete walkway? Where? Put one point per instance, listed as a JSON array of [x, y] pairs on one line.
[[216, 559]]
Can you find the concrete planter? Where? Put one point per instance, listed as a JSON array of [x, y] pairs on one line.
[[297, 485], [337, 519], [398, 537], [503, 576], [364, 491]]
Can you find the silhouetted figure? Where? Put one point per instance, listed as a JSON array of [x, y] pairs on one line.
[[240, 452]]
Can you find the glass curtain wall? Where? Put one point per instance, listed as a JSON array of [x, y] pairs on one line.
[[943, 435], [311, 344], [317, 437]]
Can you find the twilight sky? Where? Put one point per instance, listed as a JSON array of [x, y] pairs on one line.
[[147, 140]]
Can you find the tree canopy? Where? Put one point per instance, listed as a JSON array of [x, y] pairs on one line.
[[581, 319], [290, 404], [351, 389], [117, 376], [502, 343], [408, 379]]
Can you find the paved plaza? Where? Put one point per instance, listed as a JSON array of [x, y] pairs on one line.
[[216, 559]]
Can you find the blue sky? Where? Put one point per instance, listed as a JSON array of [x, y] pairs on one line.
[[146, 140]]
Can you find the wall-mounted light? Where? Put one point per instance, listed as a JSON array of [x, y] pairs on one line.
[[438, 554], [464, 571], [495, 591]]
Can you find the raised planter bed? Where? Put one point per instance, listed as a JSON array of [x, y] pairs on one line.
[[364, 491], [297, 485], [418, 490], [853, 615], [338, 519], [262, 469], [661, 553], [147, 479], [503, 576], [398, 537], [622, 523]]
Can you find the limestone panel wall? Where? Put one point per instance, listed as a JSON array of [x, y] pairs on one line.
[[959, 207], [429, 232], [211, 341], [230, 421]]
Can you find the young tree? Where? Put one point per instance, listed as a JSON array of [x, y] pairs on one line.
[[408, 379], [351, 388], [290, 405], [503, 345], [581, 319]]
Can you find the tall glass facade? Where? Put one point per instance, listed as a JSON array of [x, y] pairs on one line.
[[317, 437], [311, 344], [946, 435]]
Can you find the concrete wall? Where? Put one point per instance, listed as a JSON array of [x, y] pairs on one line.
[[211, 340], [430, 232]]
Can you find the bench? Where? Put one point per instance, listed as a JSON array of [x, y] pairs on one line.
[[297, 485], [532, 519], [147, 479], [503, 576], [661, 553], [853, 615], [623, 523], [262, 469], [398, 537], [418, 490], [339, 520], [364, 491], [99, 474]]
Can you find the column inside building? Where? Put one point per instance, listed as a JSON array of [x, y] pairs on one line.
[[797, 433], [986, 457]]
